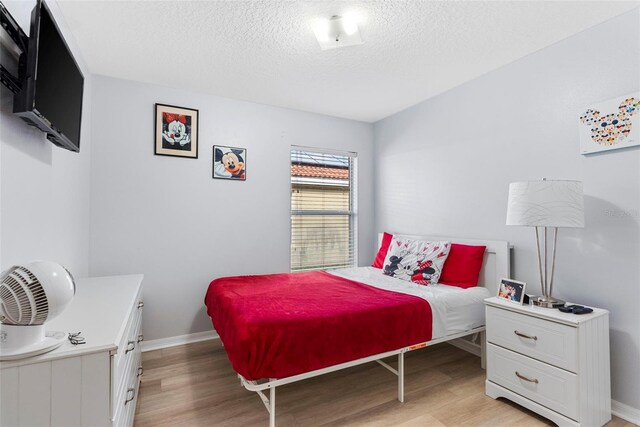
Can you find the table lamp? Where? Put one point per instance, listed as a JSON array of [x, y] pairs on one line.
[[544, 204]]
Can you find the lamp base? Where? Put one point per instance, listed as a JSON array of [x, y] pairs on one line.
[[546, 302]]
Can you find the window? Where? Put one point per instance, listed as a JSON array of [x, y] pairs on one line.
[[323, 209]]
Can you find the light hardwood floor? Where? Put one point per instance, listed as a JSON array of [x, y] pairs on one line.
[[194, 385]]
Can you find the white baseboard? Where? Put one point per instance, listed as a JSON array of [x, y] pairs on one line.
[[626, 412], [178, 340], [466, 345]]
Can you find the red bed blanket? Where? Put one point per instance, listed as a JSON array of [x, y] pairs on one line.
[[279, 325]]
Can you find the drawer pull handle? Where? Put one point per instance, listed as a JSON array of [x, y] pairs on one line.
[[140, 304], [140, 370], [140, 338], [131, 391], [522, 377], [529, 337], [130, 346]]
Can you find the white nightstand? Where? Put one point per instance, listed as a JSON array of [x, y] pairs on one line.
[[555, 364]]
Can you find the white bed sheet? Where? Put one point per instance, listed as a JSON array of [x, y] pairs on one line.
[[454, 309]]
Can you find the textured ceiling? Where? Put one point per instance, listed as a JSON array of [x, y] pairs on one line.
[[266, 51]]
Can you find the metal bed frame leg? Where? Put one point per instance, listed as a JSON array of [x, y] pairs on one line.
[[272, 383], [272, 407], [401, 377]]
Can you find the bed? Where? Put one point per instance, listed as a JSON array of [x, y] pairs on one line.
[[283, 328]]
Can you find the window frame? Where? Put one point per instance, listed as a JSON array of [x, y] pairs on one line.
[[352, 213]]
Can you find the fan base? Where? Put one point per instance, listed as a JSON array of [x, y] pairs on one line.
[[19, 342]]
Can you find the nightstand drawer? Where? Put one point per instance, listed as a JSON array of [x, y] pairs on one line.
[[549, 386], [540, 339]]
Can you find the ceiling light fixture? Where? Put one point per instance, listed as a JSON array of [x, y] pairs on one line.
[[338, 32]]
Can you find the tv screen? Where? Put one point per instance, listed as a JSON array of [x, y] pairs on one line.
[[51, 97]]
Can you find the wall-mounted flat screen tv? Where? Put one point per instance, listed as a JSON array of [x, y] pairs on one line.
[[52, 83]]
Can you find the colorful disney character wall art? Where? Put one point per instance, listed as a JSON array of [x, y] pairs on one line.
[[611, 124], [176, 131], [229, 163]]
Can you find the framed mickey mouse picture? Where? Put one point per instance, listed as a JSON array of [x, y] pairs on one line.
[[229, 163], [176, 131], [610, 125]]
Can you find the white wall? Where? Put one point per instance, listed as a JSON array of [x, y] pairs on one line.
[[444, 166], [167, 218], [44, 190]]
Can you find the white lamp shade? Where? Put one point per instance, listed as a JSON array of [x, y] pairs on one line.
[[546, 203]]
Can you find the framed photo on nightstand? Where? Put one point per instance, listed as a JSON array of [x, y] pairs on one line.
[[511, 290]]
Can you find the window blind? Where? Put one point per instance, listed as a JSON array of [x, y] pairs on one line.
[[323, 209]]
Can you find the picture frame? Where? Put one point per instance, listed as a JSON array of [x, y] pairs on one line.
[[512, 291], [229, 163], [176, 131], [610, 124]]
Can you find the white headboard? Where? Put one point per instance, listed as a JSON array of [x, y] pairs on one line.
[[497, 258]]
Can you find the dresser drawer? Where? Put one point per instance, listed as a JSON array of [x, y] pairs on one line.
[[127, 364], [541, 339], [554, 388], [130, 368], [134, 319], [130, 337], [126, 401], [124, 361]]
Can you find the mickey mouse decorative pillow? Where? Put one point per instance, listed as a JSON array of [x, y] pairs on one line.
[[416, 260]]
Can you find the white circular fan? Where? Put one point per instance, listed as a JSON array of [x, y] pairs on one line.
[[31, 295]]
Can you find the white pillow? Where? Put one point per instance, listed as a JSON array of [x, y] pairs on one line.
[[416, 261]]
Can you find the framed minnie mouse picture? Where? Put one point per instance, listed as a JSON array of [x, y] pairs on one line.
[[176, 131]]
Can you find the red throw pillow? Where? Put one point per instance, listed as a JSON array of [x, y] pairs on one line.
[[382, 252], [462, 267]]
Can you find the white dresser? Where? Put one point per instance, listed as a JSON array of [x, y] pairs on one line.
[[555, 364], [94, 384]]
